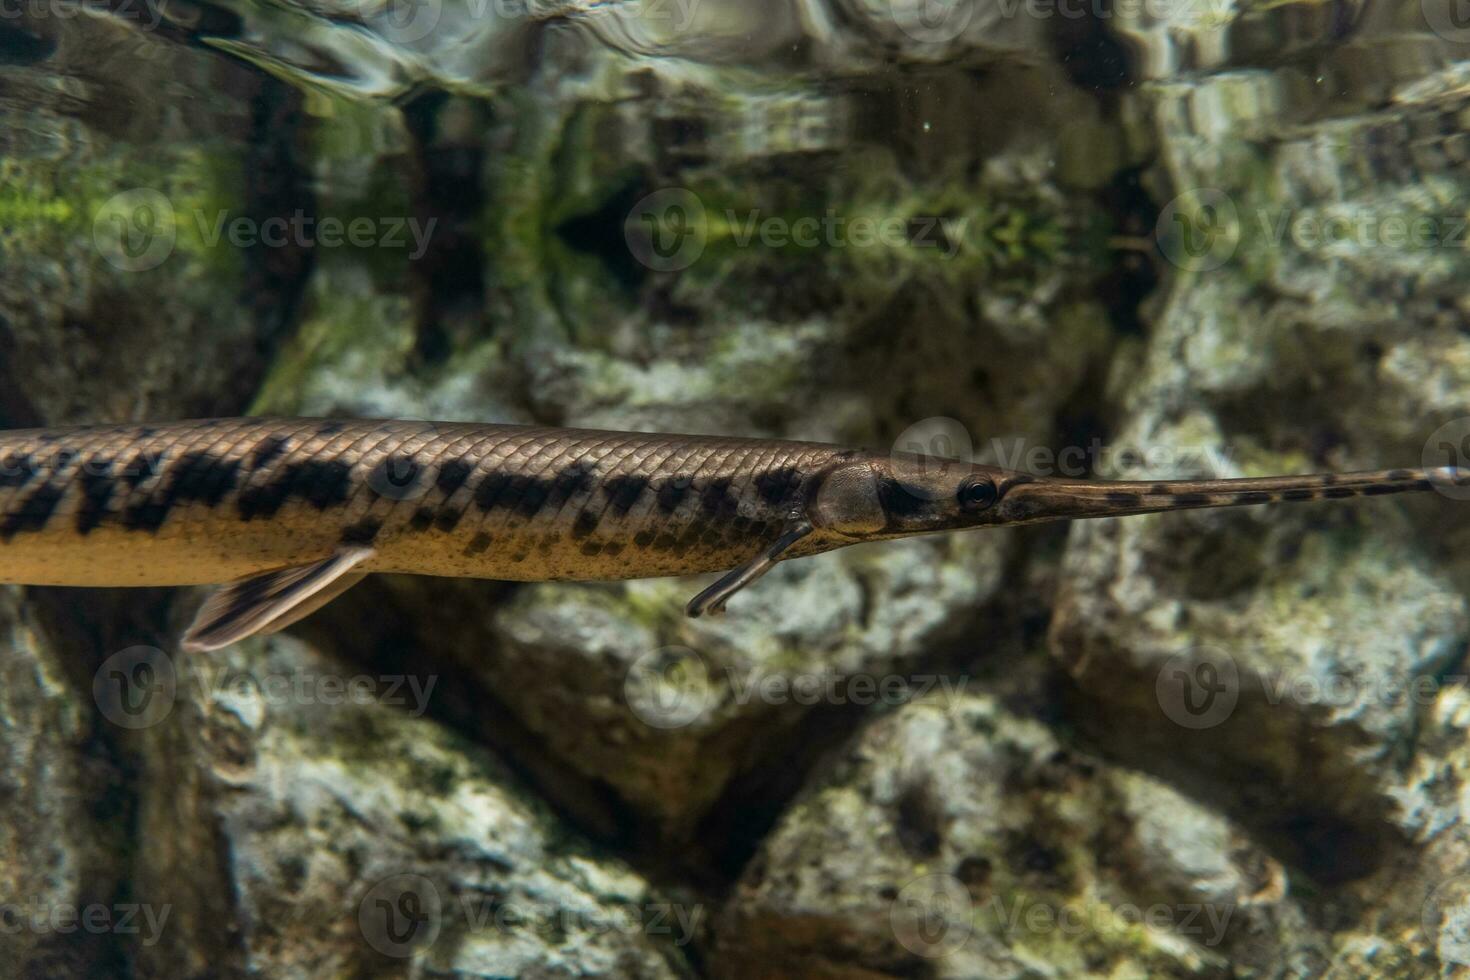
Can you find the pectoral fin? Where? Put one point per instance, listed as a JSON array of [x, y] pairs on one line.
[[272, 601], [712, 600]]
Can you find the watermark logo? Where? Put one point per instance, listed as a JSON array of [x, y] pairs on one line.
[[135, 230], [404, 914], [667, 230], [933, 21], [1447, 458], [407, 21], [401, 915], [135, 688], [669, 687], [1446, 920], [1198, 688], [933, 915], [1199, 230], [930, 447], [399, 475], [1448, 19]]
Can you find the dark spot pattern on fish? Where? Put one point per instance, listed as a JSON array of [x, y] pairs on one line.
[[573, 479], [774, 486], [267, 451], [452, 475], [528, 494], [16, 470], [98, 486], [33, 512], [448, 518], [490, 489], [623, 491], [202, 476], [715, 495], [362, 533], [139, 469], [672, 492], [1190, 499], [584, 524], [199, 476], [898, 501], [320, 483]]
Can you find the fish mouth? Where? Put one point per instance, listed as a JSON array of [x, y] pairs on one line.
[[1047, 499]]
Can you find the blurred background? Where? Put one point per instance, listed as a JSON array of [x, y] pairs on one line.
[[1114, 238]]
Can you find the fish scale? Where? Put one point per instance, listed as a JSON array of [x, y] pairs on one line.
[[208, 501]]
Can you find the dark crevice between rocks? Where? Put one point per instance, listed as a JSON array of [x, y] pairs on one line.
[[18, 46], [600, 234], [84, 627], [1092, 56], [276, 186], [448, 279], [1133, 274], [1329, 841], [16, 410]]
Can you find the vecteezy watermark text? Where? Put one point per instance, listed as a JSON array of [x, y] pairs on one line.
[[674, 686], [1203, 228], [139, 229], [138, 686], [1201, 687], [42, 917], [145, 15], [669, 230], [935, 914]]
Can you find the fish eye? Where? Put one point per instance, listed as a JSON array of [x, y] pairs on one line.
[[977, 494]]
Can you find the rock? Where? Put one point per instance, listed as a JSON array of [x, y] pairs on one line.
[[957, 839], [1278, 661], [63, 844], [304, 817], [118, 270]]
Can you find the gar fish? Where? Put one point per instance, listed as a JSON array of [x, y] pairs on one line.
[[286, 514]]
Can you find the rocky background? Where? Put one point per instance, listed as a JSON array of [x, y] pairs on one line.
[[1164, 238]]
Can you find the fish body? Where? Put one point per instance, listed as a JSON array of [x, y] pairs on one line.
[[286, 513], [204, 502]]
